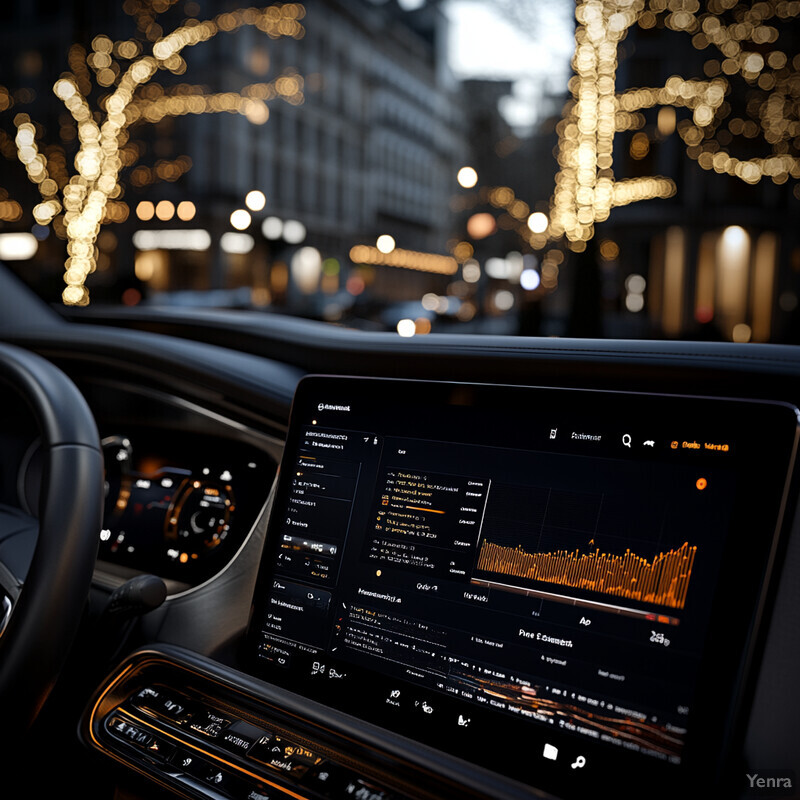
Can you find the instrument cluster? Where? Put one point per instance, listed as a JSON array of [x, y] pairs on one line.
[[179, 505]]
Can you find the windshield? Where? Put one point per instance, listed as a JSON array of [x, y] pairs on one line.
[[626, 168]]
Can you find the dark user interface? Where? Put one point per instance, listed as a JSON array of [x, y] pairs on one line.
[[485, 572]]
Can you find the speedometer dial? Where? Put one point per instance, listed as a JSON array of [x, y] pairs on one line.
[[169, 507], [198, 520]]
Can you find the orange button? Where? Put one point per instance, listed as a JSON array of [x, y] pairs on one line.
[[701, 483]]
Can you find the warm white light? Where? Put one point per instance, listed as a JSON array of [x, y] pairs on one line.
[[505, 269], [504, 300], [385, 243], [272, 228], [471, 271], [538, 222], [293, 231], [172, 240], [238, 243], [635, 284], [306, 268], [146, 264], [165, 210], [634, 302], [734, 236], [467, 177], [430, 301], [186, 210], [17, 246], [406, 327], [733, 277], [481, 225], [666, 120], [404, 259], [145, 210], [255, 200], [516, 263], [241, 219], [497, 268]]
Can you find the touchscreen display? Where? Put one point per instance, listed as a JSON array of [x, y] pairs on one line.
[[559, 585]]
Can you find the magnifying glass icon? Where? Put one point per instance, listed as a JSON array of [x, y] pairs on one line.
[[579, 763], [626, 439]]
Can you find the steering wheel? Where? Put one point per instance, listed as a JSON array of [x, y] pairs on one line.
[[41, 603]]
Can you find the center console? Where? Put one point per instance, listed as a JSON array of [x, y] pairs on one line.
[[482, 590]]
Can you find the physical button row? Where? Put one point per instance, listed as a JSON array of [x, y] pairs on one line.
[[143, 739], [182, 764], [236, 736]]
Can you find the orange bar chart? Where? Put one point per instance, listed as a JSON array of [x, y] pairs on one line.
[[664, 580]]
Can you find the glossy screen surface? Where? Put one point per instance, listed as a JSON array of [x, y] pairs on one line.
[[555, 584]]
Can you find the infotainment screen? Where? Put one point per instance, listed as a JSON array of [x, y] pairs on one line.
[[559, 585]]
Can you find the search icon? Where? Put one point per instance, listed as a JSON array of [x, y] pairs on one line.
[[579, 763], [626, 439]]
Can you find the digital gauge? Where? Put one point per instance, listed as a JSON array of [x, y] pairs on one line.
[[198, 520], [170, 509]]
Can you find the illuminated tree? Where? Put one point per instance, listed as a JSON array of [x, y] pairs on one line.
[[78, 205], [586, 190], [748, 96]]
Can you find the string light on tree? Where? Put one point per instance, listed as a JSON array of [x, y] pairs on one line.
[[89, 198], [586, 190], [537, 222]]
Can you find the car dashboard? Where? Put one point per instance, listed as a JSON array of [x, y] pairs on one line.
[[183, 488], [196, 700]]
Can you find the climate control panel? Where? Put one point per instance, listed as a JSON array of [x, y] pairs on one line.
[[204, 737]]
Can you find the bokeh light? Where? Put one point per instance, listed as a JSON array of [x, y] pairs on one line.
[[241, 219], [406, 327], [145, 211], [467, 177], [385, 243], [272, 228], [538, 222], [186, 210], [529, 279], [294, 232], [165, 210], [481, 225], [255, 200]]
